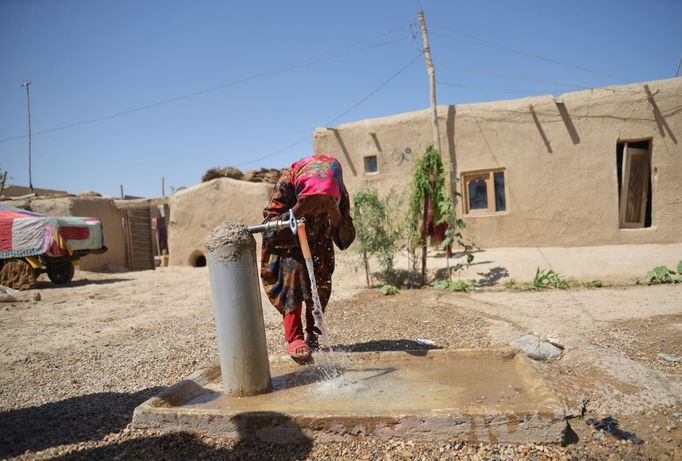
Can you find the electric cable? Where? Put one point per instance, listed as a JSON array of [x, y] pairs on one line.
[[449, 64], [470, 70], [345, 112], [376, 90], [528, 54], [483, 89], [323, 58]]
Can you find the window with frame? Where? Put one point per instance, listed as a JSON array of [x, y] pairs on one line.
[[484, 191], [371, 164]]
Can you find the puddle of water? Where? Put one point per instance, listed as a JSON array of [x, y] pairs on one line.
[[380, 387]]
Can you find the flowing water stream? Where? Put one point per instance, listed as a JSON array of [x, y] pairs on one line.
[[328, 362], [318, 314]]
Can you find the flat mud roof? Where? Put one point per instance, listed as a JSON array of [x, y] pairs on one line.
[[482, 395]]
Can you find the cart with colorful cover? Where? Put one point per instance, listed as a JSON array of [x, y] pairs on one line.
[[33, 243]]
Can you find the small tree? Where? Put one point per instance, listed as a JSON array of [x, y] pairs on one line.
[[376, 230], [429, 184]]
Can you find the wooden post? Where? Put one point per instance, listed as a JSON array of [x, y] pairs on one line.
[[3, 179], [163, 186], [425, 237], [432, 82], [431, 71]]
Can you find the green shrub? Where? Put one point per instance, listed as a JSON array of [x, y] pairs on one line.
[[377, 229], [661, 274], [547, 278], [513, 284], [455, 285], [594, 284], [389, 290]]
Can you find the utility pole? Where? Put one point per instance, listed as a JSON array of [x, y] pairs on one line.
[[436, 132], [28, 108], [3, 179], [432, 81]]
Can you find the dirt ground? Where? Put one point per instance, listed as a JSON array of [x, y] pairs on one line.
[[76, 362]]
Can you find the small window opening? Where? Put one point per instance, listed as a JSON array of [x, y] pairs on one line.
[[371, 164], [500, 198], [484, 191], [633, 163], [478, 194]]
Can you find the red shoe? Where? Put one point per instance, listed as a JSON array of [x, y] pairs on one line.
[[299, 351]]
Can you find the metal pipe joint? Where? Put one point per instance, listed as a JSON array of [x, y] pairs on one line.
[[279, 224]]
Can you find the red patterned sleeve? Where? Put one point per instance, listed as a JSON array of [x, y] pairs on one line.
[[282, 199]]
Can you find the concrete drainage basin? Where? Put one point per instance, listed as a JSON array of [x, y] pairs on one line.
[[486, 395]]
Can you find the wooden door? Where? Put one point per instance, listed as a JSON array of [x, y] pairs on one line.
[[635, 187], [139, 247]]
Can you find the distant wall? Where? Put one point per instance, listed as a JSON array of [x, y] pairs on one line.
[[96, 207], [17, 191], [195, 211], [559, 161]]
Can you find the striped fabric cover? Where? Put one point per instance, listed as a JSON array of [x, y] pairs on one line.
[[23, 233]]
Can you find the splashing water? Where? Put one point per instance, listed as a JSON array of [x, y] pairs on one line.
[[329, 362]]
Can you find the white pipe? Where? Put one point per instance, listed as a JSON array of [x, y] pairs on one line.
[[240, 329]]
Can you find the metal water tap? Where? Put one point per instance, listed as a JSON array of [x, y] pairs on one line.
[[279, 224]]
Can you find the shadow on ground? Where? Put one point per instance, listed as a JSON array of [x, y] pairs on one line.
[[285, 441], [491, 277], [78, 419], [42, 284], [400, 278], [382, 345]]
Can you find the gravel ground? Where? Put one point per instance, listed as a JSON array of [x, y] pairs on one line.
[[72, 396]]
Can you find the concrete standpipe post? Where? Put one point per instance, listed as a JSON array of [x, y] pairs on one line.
[[240, 329]]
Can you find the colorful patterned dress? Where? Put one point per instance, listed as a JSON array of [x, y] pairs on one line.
[[283, 269]]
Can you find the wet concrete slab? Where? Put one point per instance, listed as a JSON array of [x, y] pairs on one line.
[[490, 395]]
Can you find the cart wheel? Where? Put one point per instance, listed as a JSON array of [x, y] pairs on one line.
[[18, 274], [60, 272]]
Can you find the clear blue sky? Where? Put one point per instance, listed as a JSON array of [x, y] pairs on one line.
[[88, 60]]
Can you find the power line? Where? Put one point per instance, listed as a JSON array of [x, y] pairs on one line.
[[489, 73], [373, 92], [279, 151], [528, 54], [336, 118], [483, 89], [557, 116], [320, 60], [512, 77]]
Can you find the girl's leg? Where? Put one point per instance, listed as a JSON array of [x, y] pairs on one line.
[[293, 333], [293, 326]]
